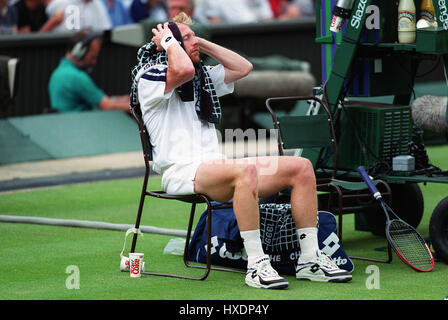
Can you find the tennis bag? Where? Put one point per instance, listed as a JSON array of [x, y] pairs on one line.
[[278, 237]]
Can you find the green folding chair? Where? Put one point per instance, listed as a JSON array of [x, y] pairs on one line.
[[337, 195]]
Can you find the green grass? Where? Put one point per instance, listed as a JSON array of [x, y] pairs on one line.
[[35, 257]]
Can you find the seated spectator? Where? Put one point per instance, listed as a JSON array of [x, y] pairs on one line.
[[70, 86], [117, 12], [306, 7], [33, 18], [80, 14], [148, 9], [8, 18], [200, 11], [292, 9], [237, 11], [174, 7]]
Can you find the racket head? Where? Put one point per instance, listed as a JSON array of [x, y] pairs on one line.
[[409, 245]]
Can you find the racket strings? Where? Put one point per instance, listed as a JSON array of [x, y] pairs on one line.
[[409, 243]]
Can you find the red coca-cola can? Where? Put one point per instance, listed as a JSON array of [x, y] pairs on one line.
[[336, 24], [135, 264]]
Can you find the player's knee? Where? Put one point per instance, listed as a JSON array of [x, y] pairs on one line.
[[248, 176], [303, 172]]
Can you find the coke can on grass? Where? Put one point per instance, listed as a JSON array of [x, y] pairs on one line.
[[135, 264]]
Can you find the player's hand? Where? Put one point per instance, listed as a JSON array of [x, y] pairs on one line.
[[159, 33]]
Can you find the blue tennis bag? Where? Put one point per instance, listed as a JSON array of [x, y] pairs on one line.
[[278, 237]]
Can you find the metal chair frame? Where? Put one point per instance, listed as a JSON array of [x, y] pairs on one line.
[[331, 185], [194, 199]]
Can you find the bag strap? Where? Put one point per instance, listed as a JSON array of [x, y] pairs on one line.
[[128, 232]]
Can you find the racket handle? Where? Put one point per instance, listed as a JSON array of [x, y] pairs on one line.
[[369, 182]]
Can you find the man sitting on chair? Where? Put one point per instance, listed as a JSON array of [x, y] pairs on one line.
[[179, 104]]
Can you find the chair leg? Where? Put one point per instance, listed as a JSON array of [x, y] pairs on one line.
[[140, 209], [207, 271], [208, 265], [388, 260], [340, 205], [187, 241]]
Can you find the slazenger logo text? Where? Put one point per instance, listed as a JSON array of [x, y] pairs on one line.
[[443, 14], [356, 19]]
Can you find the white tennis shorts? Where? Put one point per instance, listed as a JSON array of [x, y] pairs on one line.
[[179, 178]]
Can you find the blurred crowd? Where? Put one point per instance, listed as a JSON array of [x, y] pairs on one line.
[[24, 16]]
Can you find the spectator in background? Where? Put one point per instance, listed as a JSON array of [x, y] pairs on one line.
[[8, 18], [200, 11], [80, 14], [237, 11], [33, 18], [306, 7], [292, 9], [70, 86], [174, 7], [117, 12], [148, 9]]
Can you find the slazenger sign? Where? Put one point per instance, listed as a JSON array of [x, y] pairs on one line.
[[357, 15], [373, 16], [359, 12], [443, 17]]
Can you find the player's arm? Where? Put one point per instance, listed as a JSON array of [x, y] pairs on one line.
[[180, 69], [235, 65]]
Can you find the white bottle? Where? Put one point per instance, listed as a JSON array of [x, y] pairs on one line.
[[406, 21]]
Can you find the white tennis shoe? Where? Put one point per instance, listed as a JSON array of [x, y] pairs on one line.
[[321, 268], [262, 275]]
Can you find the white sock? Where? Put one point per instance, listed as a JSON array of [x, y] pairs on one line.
[[308, 243], [252, 244]]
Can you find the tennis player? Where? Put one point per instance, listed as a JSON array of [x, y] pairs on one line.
[[180, 107]]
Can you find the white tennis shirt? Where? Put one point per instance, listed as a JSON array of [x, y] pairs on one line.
[[176, 133]]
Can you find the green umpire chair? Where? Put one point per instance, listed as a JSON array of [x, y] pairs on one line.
[[192, 199], [341, 196]]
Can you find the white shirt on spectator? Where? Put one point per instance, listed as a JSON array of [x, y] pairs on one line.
[[200, 11], [306, 7], [236, 11], [80, 14]]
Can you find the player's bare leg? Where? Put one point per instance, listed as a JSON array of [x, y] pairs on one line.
[[245, 180]]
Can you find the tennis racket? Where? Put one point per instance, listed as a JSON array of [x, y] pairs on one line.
[[406, 242]]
